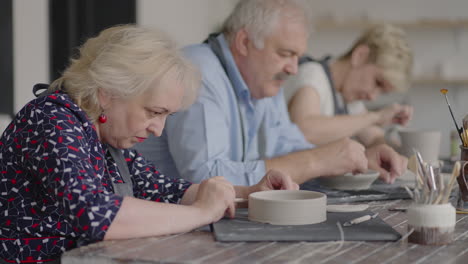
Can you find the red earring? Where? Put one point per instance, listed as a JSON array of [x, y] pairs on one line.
[[102, 118]]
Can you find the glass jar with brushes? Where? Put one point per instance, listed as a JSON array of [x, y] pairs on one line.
[[431, 216]]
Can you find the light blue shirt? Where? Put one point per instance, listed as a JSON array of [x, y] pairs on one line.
[[226, 132]]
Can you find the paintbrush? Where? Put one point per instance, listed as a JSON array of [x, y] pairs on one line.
[[465, 131], [459, 130], [465, 122], [444, 196]]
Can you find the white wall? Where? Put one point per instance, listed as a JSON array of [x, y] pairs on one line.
[[4, 121], [187, 21], [31, 48], [433, 48], [395, 10], [190, 21], [30, 51]]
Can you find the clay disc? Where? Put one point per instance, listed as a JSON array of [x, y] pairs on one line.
[[288, 207]]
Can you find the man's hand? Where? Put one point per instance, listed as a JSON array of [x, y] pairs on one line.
[[342, 156], [274, 180]]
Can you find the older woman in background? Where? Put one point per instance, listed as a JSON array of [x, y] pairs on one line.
[[67, 176], [325, 99]]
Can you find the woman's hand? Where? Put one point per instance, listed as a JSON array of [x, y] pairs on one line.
[[395, 114], [274, 180], [215, 197]]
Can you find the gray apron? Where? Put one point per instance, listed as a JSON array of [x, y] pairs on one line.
[[340, 108], [126, 187]]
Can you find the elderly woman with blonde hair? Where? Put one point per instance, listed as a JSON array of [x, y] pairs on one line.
[[325, 99], [68, 177]]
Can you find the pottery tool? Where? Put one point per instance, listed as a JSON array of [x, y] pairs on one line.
[[425, 187], [361, 219], [346, 208], [413, 167], [410, 193], [430, 187], [397, 209], [240, 200], [459, 130], [445, 195]]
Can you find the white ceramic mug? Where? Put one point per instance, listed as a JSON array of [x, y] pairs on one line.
[[426, 142]]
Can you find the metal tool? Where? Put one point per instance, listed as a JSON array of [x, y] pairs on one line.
[[360, 219]]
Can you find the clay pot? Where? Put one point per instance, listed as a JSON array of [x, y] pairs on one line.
[[288, 207]]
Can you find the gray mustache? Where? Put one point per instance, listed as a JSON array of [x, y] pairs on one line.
[[282, 76]]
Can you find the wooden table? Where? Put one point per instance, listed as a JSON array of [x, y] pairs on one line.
[[200, 247]]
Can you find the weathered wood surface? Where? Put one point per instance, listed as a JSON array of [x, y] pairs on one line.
[[200, 247]]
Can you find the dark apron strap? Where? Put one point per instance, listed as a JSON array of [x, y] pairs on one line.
[[125, 188], [215, 46], [340, 107], [40, 89]]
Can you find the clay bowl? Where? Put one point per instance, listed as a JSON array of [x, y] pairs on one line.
[[288, 207], [361, 181]]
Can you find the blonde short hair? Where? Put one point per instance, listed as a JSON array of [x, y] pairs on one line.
[[259, 17], [124, 61], [390, 51]]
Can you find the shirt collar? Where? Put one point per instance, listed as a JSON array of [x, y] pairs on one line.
[[238, 83]]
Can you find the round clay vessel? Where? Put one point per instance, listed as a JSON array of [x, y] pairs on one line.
[[288, 207], [360, 181]]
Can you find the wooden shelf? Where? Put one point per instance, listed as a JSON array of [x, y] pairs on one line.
[[435, 81], [324, 25]]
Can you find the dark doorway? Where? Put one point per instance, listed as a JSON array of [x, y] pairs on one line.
[[6, 57], [73, 21]]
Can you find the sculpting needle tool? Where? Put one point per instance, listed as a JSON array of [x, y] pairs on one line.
[[361, 219]]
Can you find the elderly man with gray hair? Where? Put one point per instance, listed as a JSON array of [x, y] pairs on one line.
[[239, 126]]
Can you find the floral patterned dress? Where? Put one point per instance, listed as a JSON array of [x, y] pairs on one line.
[[56, 177]]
